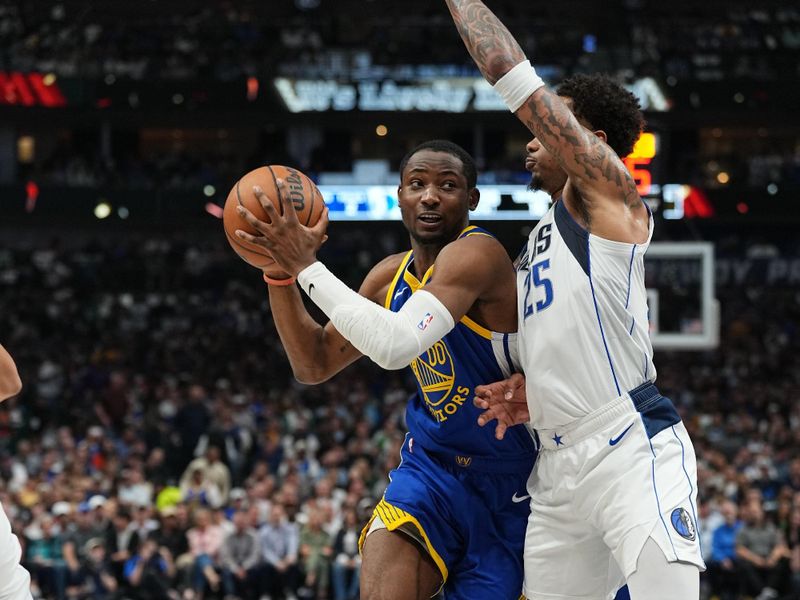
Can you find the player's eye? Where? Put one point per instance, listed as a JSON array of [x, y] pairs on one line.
[[449, 185], [415, 183]]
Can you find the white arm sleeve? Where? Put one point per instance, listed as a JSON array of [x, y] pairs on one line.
[[391, 339]]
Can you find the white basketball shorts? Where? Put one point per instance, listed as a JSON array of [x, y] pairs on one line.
[[15, 582], [600, 488]]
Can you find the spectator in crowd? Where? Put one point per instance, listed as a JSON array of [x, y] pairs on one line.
[[44, 559], [708, 519], [134, 489], [155, 469], [205, 541], [198, 490], [142, 524], [149, 572], [762, 553], [279, 540], [192, 420], [315, 552], [75, 549], [239, 558], [234, 438], [346, 567], [99, 580], [121, 541], [793, 541], [213, 471], [171, 535], [237, 501], [722, 567]]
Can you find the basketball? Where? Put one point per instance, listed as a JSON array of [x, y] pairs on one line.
[[305, 197]]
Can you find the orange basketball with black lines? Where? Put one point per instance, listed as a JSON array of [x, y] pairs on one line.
[[303, 193]]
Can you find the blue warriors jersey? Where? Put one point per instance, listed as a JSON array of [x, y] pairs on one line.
[[441, 416]]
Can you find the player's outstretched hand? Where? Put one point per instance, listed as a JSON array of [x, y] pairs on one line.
[[293, 245], [504, 401]]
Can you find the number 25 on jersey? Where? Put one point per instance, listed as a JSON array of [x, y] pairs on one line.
[[537, 284]]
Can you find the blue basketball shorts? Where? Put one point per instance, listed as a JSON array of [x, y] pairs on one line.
[[471, 520]]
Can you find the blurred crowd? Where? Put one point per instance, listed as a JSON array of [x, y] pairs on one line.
[[161, 449], [719, 41], [173, 170], [160, 445], [229, 40]]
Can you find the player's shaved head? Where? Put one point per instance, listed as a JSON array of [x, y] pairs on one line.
[[470, 171]]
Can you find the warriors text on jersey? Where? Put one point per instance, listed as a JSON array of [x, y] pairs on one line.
[[583, 319], [441, 416]]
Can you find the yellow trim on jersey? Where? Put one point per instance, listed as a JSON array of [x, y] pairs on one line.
[[479, 329], [393, 518], [469, 231], [415, 284], [427, 276], [411, 280], [390, 292]]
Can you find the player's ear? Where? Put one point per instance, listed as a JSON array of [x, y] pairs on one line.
[[602, 135], [474, 198]]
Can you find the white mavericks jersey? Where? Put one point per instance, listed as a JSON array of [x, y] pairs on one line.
[[583, 333]]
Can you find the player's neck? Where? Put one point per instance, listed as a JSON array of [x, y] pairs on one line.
[[556, 195], [424, 257]]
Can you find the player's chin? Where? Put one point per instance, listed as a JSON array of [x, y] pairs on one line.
[[536, 183], [430, 236]]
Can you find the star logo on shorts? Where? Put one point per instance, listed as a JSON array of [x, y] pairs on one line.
[[557, 440]]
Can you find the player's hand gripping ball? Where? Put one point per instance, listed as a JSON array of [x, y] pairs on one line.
[[303, 193]]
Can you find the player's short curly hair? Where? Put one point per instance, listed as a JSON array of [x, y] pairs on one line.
[[470, 170], [604, 104]]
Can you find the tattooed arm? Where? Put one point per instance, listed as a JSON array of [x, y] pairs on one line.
[[593, 167]]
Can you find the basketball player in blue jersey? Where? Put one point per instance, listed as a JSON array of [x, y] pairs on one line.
[[614, 489], [455, 510], [15, 582]]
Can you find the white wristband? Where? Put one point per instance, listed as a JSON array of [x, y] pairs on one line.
[[516, 86], [390, 339]]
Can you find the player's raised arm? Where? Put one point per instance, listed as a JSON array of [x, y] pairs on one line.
[[592, 165], [10, 383]]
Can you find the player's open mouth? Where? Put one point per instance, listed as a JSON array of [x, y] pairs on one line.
[[430, 218]]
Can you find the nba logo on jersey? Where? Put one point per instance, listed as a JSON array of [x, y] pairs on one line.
[[426, 320]]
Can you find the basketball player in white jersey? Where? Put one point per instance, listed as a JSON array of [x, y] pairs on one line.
[[15, 582], [614, 489]]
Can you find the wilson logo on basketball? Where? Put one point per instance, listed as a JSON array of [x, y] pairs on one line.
[[296, 195]]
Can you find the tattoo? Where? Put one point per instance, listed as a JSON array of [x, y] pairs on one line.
[[581, 153], [491, 45]]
